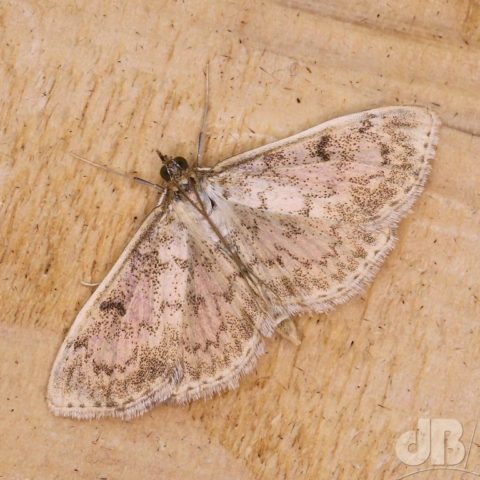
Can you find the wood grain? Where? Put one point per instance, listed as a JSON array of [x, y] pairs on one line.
[[112, 81]]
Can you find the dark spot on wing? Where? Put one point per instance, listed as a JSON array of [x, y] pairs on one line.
[[113, 306], [321, 148], [385, 150], [366, 123]]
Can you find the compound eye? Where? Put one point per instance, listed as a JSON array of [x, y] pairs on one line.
[[181, 162], [165, 174]]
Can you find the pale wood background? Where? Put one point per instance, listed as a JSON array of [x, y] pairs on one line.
[[114, 80]]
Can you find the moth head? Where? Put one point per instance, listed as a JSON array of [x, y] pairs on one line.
[[173, 168]]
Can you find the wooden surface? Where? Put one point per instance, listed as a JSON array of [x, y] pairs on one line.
[[114, 80]]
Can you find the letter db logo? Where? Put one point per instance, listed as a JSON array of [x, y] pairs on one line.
[[438, 438]]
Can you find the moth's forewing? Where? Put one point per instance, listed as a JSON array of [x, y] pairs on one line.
[[118, 357], [315, 214]]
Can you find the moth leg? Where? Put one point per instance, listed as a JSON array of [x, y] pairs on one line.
[[89, 284]]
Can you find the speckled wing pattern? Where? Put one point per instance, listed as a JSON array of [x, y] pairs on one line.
[[315, 214], [310, 217], [173, 321]]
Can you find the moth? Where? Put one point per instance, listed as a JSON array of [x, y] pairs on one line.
[[231, 252]]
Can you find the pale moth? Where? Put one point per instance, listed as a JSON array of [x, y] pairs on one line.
[[230, 252]]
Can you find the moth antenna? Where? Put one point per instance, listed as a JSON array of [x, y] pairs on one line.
[[202, 135], [117, 172], [148, 183], [163, 157]]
